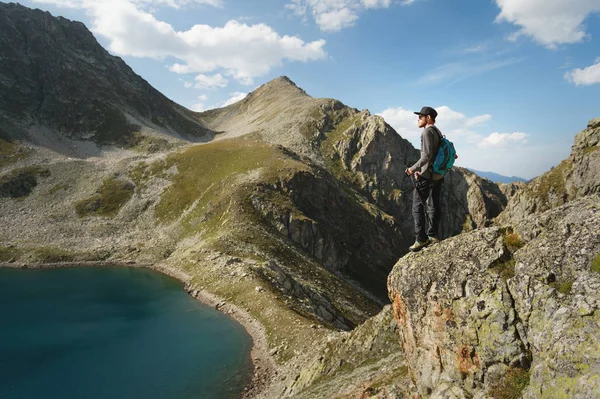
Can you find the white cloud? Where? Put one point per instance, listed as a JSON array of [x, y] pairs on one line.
[[586, 76], [476, 49], [455, 123], [402, 120], [199, 106], [548, 22], [503, 139], [210, 82], [235, 97], [334, 15], [238, 50]]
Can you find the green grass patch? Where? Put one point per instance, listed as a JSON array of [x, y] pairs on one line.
[[142, 172], [9, 254], [589, 150], [552, 182], [108, 199], [20, 182], [57, 187], [51, 255], [333, 162], [512, 240], [506, 269], [511, 385], [595, 266], [564, 287], [469, 224], [145, 144], [11, 152], [206, 173]]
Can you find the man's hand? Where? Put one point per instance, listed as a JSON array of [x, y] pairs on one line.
[[408, 172]]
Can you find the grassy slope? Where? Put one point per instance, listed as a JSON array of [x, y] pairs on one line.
[[210, 200]]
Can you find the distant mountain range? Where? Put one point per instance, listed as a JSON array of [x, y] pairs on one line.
[[498, 178]]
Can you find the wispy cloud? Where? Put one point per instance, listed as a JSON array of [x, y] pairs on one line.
[[455, 72], [235, 97], [496, 140], [476, 49], [199, 106], [210, 81]]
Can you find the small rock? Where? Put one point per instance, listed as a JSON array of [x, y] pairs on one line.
[[274, 351]]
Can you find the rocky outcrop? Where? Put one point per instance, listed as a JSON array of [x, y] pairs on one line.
[[20, 182], [469, 202], [54, 75], [574, 177], [502, 310], [334, 225], [306, 299]]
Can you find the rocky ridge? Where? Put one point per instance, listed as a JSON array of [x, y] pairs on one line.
[[575, 177]]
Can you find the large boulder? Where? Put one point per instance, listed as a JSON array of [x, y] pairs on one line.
[[510, 310]]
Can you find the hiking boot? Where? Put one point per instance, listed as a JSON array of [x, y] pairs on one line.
[[418, 245], [433, 240]]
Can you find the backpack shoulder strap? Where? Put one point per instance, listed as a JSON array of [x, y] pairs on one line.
[[439, 132]]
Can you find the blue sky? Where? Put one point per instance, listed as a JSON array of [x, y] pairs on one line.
[[513, 80]]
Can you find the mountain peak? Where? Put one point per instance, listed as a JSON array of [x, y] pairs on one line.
[[280, 87]]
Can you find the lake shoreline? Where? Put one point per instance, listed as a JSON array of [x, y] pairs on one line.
[[264, 366]]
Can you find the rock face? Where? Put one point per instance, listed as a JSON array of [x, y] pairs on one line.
[[55, 75], [362, 246], [505, 309], [469, 202], [575, 177]]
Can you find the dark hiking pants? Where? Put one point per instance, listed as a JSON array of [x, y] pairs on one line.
[[427, 192]]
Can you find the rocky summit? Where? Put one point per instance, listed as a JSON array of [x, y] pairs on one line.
[[292, 214]]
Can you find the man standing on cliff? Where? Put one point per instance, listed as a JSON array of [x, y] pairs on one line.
[[428, 185]]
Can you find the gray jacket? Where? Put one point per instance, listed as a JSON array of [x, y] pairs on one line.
[[430, 142]]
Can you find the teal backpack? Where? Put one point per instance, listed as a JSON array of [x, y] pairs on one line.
[[446, 154]]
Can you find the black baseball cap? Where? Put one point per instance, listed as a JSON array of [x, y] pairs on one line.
[[427, 111]]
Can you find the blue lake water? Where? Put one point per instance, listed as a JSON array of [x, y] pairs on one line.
[[114, 333]]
